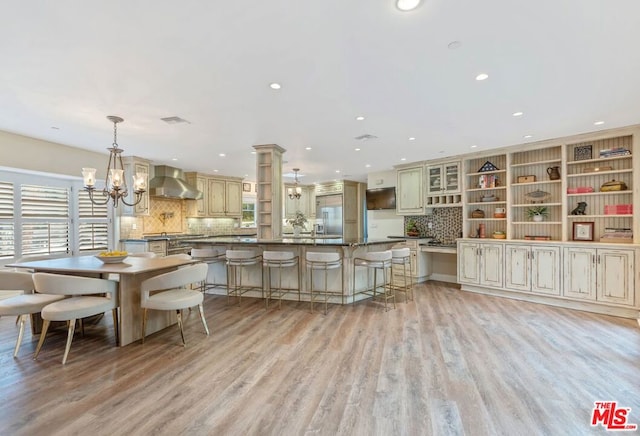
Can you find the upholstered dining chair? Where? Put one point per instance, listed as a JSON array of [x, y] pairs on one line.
[[22, 305], [88, 297], [170, 291]]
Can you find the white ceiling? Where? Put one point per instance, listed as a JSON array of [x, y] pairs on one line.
[[69, 64]]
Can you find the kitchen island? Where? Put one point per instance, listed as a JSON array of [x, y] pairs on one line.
[[338, 279]]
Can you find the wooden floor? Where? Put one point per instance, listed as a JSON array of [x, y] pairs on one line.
[[449, 363]]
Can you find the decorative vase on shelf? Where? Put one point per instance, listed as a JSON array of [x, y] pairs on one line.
[[296, 231], [538, 218]]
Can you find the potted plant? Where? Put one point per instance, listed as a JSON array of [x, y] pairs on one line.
[[412, 228], [537, 213], [297, 223]]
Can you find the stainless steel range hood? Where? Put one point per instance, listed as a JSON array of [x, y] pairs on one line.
[[169, 182]]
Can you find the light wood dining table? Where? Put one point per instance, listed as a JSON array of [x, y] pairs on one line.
[[131, 273]]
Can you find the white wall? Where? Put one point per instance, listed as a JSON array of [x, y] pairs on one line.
[[383, 223], [23, 152]]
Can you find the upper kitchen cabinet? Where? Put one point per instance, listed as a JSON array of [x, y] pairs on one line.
[[443, 185], [222, 196], [409, 197], [305, 204], [132, 166]]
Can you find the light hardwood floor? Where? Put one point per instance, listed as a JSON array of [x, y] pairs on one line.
[[450, 363]]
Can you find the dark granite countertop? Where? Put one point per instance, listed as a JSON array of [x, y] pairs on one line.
[[291, 241]]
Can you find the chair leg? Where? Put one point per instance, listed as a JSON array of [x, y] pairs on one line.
[[204, 321], [116, 330], [179, 315], [72, 328], [23, 320], [144, 323], [43, 333]]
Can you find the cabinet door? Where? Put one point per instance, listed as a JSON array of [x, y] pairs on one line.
[[545, 270], [201, 204], [579, 273], [518, 267], [216, 197], [409, 199], [451, 174], [468, 263], [233, 199], [434, 180], [615, 276], [491, 265]]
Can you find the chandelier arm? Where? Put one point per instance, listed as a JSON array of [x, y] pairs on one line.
[[97, 203], [137, 200]]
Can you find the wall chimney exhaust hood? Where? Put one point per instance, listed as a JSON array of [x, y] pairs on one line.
[[168, 182]]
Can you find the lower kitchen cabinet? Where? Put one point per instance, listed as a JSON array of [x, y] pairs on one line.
[[420, 267], [139, 246], [596, 274], [480, 264], [533, 268]]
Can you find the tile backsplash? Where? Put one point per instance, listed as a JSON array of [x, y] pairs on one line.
[[446, 224]]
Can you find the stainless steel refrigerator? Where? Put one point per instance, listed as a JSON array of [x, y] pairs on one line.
[[329, 213]]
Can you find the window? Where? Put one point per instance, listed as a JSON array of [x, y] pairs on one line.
[[93, 227], [7, 233], [45, 220], [248, 214]]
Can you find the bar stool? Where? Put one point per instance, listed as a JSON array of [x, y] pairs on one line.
[[279, 260], [210, 256], [376, 260], [323, 262], [402, 256], [237, 261]]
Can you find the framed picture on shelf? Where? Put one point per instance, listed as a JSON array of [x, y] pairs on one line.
[[583, 231], [246, 187], [583, 152]]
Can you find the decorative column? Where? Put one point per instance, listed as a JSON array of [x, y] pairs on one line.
[[269, 195]]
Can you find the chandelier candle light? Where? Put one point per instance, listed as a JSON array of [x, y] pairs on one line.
[[296, 191], [115, 186]]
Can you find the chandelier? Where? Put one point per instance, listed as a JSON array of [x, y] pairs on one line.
[[296, 191], [115, 186]]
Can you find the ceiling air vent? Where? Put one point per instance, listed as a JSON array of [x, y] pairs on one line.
[[174, 120], [365, 137]]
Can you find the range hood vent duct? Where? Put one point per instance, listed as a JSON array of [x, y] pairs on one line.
[[169, 182]]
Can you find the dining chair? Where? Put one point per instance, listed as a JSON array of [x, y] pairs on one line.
[[22, 305], [88, 297], [170, 291]]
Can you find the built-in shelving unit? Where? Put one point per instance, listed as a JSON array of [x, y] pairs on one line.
[[269, 187]]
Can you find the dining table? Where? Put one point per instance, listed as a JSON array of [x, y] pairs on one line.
[[129, 273]]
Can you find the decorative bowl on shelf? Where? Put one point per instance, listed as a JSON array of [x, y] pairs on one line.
[[499, 235], [112, 257]]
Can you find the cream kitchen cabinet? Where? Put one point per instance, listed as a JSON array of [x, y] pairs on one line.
[[420, 268], [599, 274], [132, 166], [480, 263], [224, 198], [533, 268], [443, 178], [303, 204], [409, 198]]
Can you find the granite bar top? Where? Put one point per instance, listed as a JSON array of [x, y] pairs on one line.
[[336, 242]]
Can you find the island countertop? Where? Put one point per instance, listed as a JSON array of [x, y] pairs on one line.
[[335, 242]]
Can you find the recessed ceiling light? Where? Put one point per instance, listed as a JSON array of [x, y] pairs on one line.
[[215, 171], [454, 45], [337, 171], [598, 123], [307, 148], [275, 85], [356, 149], [367, 166], [360, 118], [253, 152], [482, 76], [407, 5], [527, 136], [403, 158], [474, 146], [246, 175], [222, 155], [175, 158], [412, 139], [518, 114]]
